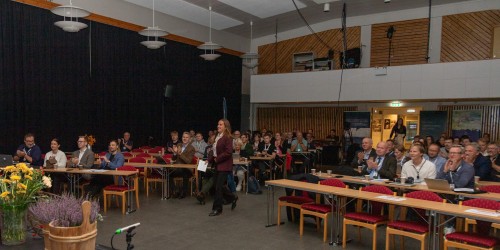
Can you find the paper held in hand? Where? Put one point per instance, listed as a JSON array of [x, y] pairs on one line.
[[202, 165]]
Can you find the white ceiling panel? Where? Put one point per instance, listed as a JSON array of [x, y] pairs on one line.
[[190, 12], [264, 8]]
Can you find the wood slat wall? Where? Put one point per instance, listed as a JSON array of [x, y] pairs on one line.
[[282, 53], [469, 36], [491, 118], [409, 43], [320, 119]]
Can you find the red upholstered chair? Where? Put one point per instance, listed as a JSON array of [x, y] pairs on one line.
[[127, 154], [103, 153], [491, 188], [495, 226], [475, 240], [320, 210], [155, 150], [370, 220], [146, 156], [414, 229], [293, 201], [137, 150], [142, 171], [145, 147], [122, 190]]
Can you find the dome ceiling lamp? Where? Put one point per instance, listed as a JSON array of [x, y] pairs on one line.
[[152, 33], [209, 47], [71, 14], [250, 59]]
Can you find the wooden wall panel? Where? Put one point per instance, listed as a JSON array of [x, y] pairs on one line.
[[469, 36], [409, 43], [491, 118], [277, 58], [320, 119]]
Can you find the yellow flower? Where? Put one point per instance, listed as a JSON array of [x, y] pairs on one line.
[[21, 165], [21, 186], [6, 181], [4, 194], [21, 191], [28, 177], [15, 177], [9, 168]]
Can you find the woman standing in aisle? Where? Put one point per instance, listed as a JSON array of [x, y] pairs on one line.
[[222, 158]]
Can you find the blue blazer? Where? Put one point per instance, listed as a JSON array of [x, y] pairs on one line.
[[117, 161]]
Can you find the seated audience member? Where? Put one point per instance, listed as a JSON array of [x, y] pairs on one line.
[[486, 137], [29, 152], [440, 141], [262, 133], [83, 157], [246, 146], [456, 171], [448, 142], [210, 133], [418, 167], [192, 133], [266, 149], [278, 143], [433, 156], [429, 140], [465, 140], [382, 166], [482, 165], [456, 141], [183, 154], [256, 142], [310, 141], [199, 146], [401, 158], [483, 146], [238, 170], [333, 136], [55, 159], [236, 136], [174, 135], [111, 161], [287, 142], [416, 138], [125, 144], [390, 147], [366, 152], [300, 145], [493, 152]]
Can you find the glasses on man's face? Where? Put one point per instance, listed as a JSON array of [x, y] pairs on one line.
[[455, 153]]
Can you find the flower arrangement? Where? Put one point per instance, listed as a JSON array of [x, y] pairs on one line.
[[20, 185], [90, 139], [65, 211]]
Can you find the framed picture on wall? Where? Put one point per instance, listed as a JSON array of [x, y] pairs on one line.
[[377, 125], [387, 123]]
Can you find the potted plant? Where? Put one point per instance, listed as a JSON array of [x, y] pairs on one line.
[[19, 186], [67, 222]]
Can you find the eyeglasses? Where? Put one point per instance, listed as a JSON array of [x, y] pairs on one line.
[[455, 153]]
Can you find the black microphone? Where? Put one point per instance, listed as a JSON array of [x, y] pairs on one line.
[[123, 229]]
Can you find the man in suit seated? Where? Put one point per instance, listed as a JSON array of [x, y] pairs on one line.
[[457, 171], [366, 152], [183, 154], [482, 165], [83, 157], [382, 166]]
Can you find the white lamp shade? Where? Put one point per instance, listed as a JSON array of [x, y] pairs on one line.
[[250, 64], [210, 57], [70, 11], [209, 46], [70, 26], [250, 55], [153, 31], [153, 44]]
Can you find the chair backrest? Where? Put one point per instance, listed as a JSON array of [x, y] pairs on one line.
[[126, 168], [137, 150], [483, 227], [145, 147], [424, 195], [127, 154], [491, 188], [377, 207], [154, 150], [195, 160], [144, 155], [138, 160], [333, 183], [103, 153]]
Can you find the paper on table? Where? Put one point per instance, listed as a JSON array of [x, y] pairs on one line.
[[475, 211], [202, 165], [98, 170], [392, 198]]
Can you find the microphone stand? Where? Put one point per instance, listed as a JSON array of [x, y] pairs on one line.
[[129, 236]]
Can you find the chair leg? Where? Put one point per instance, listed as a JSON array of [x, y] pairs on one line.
[[124, 198], [301, 227], [147, 188], [325, 227], [344, 234], [318, 223], [387, 236], [422, 244], [374, 241], [279, 215], [116, 200], [293, 214], [105, 203], [137, 198]]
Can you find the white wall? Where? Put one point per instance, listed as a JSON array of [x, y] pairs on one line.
[[460, 80]]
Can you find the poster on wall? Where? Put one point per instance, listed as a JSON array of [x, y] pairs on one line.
[[356, 126], [377, 125], [466, 122], [433, 123]]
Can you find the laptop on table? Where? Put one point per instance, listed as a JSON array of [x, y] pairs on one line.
[[438, 184], [6, 160]]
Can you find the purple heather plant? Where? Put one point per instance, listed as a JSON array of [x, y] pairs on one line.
[[65, 210]]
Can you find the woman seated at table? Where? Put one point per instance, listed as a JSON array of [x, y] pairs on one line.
[[399, 153], [55, 159], [112, 160], [418, 167], [238, 170]]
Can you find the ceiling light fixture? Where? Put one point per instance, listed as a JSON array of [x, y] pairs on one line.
[[209, 46], [250, 59], [153, 32], [71, 14]]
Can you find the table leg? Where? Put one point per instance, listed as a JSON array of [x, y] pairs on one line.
[[270, 207], [165, 183], [130, 196]]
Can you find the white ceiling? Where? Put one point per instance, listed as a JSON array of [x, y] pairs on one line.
[[234, 16]]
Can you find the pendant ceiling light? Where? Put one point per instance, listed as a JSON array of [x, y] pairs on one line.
[[209, 47], [71, 14], [250, 59], [153, 33]]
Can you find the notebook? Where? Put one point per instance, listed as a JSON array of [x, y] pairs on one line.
[[437, 184], [5, 160]]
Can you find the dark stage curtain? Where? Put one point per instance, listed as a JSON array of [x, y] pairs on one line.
[[102, 81]]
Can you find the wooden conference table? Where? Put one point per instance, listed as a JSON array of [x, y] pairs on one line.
[[435, 208], [165, 170], [74, 175]]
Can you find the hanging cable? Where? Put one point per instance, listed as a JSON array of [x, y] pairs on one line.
[[429, 32], [344, 48], [90, 49]]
